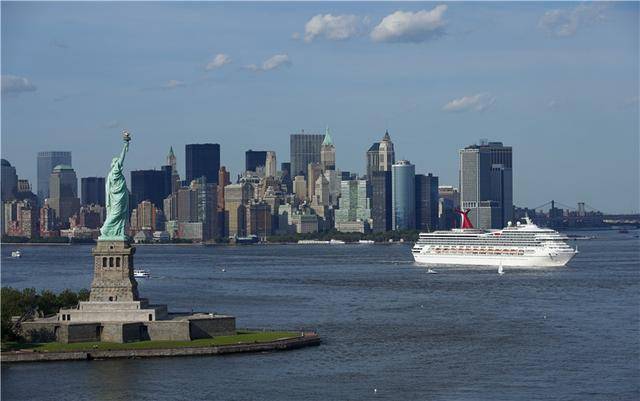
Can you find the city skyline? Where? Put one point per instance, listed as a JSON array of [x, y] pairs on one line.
[[546, 87]]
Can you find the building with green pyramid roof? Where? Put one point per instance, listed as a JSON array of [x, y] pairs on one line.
[[328, 152]]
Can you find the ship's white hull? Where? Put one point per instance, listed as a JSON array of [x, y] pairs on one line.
[[492, 260]]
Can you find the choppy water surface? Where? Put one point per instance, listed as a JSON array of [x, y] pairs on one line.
[[571, 333]]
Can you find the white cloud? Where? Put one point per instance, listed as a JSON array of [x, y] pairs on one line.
[[477, 102], [562, 23], [173, 83], [407, 26], [218, 61], [271, 63], [332, 27], [12, 84]]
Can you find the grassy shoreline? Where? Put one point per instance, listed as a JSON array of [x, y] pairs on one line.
[[242, 337]]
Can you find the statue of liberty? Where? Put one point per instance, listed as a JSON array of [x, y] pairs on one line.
[[117, 198]]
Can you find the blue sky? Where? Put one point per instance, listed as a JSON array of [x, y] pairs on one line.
[[557, 81]]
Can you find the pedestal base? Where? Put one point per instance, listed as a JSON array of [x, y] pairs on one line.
[[127, 311]]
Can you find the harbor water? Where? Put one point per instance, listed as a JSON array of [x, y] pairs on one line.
[[390, 330]]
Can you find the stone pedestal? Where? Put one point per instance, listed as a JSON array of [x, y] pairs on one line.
[[114, 291], [115, 312], [113, 279]]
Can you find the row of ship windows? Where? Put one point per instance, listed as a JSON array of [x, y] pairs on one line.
[[478, 252], [481, 243]]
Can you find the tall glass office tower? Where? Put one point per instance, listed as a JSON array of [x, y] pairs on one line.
[[486, 184], [403, 204], [46, 162], [202, 160], [305, 149]]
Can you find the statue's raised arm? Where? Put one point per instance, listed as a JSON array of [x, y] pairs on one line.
[[117, 200], [125, 149]]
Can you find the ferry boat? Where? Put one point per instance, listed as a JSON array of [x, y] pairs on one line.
[[141, 273], [520, 245]]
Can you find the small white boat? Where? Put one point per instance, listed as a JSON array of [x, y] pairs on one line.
[[141, 273], [336, 242], [224, 270], [366, 241], [16, 254], [431, 271], [500, 270]]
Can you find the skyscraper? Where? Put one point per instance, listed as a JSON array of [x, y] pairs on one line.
[[300, 187], [305, 149], [254, 159], [321, 192], [224, 179], [151, 185], [9, 181], [206, 207], [236, 197], [381, 155], [486, 184], [449, 201], [202, 160], [92, 190], [354, 212], [271, 164], [286, 178], [403, 202], [381, 200], [175, 176], [46, 162], [314, 171], [426, 202], [63, 193], [328, 152], [258, 219]]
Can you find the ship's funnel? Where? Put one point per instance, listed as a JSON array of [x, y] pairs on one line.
[[466, 223]]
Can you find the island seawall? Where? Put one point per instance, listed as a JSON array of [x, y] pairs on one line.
[[304, 340]]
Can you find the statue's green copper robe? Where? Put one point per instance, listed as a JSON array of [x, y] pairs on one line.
[[117, 196]]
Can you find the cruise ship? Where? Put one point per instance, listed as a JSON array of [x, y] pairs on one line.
[[519, 245]]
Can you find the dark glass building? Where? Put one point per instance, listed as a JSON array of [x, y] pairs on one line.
[[151, 185], [46, 162], [305, 149], [381, 200], [426, 202], [9, 182], [92, 189], [202, 160], [486, 184], [403, 204], [254, 159]]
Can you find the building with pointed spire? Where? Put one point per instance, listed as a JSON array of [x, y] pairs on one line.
[[328, 152], [381, 155], [175, 176]]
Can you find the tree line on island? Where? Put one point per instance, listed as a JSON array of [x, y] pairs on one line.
[[20, 305]]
